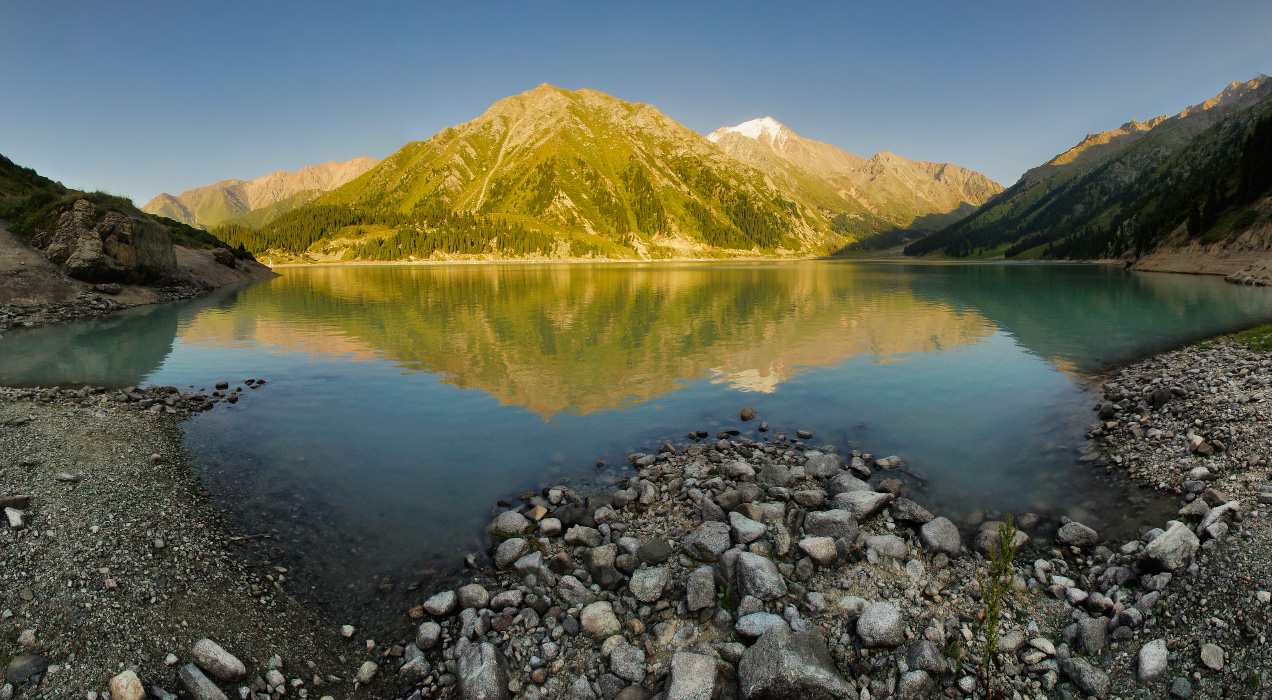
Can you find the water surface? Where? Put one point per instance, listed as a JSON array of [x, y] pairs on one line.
[[403, 401]]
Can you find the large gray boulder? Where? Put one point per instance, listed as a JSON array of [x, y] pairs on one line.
[[862, 504], [708, 542], [1171, 550], [94, 244], [692, 677], [786, 665], [481, 671], [217, 662], [759, 577], [941, 535], [1152, 661], [648, 584], [197, 685], [1076, 534], [834, 524], [880, 625], [821, 465], [1089, 679]]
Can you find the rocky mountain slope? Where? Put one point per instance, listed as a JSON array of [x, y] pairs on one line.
[[259, 200], [1169, 182], [882, 192], [553, 173], [64, 248]]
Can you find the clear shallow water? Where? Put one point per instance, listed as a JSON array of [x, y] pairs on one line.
[[404, 401]]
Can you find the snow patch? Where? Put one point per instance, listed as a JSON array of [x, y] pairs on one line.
[[766, 128]]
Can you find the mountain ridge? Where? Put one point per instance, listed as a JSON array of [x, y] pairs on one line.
[[554, 173], [210, 205]]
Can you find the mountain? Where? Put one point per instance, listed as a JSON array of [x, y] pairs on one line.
[[883, 192], [553, 174], [256, 201], [1168, 182]]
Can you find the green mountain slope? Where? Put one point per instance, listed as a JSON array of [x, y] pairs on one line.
[[1125, 192], [553, 174]]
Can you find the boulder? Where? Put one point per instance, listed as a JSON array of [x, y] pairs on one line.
[[628, 662], [1171, 550], [509, 522], [700, 588], [888, 546], [941, 535], [481, 671], [1089, 678], [908, 511], [693, 677], [217, 662], [95, 244], [648, 584], [1076, 534], [759, 577], [126, 686], [1152, 661], [197, 685], [510, 550], [821, 466], [845, 483], [744, 529], [835, 524], [821, 549], [598, 620], [862, 504], [708, 542], [757, 623], [880, 625], [915, 685], [786, 665]]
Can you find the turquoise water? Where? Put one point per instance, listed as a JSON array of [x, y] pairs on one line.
[[404, 401]]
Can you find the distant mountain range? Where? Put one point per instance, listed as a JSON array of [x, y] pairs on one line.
[[1197, 180], [554, 173], [256, 202]]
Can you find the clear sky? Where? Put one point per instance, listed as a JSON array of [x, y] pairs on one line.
[[137, 98]]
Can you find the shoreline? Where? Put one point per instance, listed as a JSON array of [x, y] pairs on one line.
[[660, 570]]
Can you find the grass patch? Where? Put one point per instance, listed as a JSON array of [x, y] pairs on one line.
[[1258, 339]]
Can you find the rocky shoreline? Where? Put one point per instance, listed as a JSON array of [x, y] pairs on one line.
[[722, 567]]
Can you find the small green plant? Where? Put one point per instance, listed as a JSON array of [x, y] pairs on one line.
[[996, 581], [724, 597], [1259, 339]]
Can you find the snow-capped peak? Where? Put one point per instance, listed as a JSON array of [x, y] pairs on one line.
[[766, 128]]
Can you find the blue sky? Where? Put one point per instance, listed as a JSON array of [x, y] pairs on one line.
[[138, 98]]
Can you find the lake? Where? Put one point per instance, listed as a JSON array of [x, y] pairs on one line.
[[404, 401]]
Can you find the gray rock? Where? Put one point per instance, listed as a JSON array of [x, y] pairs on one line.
[[924, 655], [1152, 661], [94, 244], [862, 504], [442, 604], [598, 620], [755, 624], [892, 462], [1212, 656], [1093, 635], [821, 549], [1089, 679], [199, 686], [692, 677], [1171, 550], [941, 535], [429, 634], [784, 665], [888, 546], [366, 672], [573, 592], [583, 536], [759, 577], [481, 672], [648, 585], [915, 685], [1181, 688], [654, 551], [744, 529], [908, 511], [23, 666], [127, 686], [880, 625], [835, 524], [628, 662], [700, 588], [1076, 534], [217, 662], [846, 483], [820, 466], [474, 595], [633, 692], [509, 521], [708, 542], [509, 551]]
